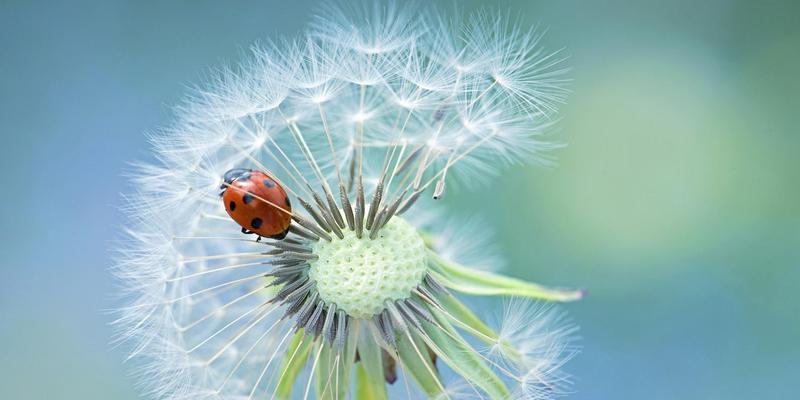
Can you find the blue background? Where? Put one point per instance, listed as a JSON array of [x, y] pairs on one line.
[[676, 203]]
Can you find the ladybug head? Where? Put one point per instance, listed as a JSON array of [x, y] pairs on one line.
[[234, 174]]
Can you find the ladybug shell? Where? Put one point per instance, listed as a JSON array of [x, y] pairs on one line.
[[243, 205]]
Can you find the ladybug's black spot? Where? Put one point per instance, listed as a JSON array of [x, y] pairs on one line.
[[232, 205], [269, 183], [256, 223], [247, 198]]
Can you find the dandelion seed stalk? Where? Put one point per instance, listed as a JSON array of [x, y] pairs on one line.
[[366, 121]]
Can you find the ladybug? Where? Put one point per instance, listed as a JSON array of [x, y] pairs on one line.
[[242, 195]]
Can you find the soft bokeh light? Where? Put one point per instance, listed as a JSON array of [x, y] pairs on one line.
[[676, 202]]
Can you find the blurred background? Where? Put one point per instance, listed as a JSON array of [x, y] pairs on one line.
[[676, 203]]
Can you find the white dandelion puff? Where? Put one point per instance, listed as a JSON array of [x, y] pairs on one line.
[[329, 153], [535, 340]]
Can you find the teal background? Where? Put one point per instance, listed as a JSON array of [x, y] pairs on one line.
[[676, 203]]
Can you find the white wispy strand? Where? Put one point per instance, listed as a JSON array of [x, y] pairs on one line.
[[465, 99], [467, 241], [535, 340]]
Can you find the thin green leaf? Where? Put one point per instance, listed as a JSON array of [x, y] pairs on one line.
[[415, 360], [370, 381], [482, 283], [332, 375], [296, 356], [466, 318], [462, 358], [328, 375]]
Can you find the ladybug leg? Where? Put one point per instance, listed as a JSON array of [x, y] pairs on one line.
[[248, 232]]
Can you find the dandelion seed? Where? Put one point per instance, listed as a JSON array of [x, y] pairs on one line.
[[354, 293]]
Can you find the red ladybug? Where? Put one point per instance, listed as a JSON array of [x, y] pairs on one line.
[[242, 194]]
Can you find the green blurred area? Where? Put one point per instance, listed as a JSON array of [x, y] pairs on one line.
[[676, 203]]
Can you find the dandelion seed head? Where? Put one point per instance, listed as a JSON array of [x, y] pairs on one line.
[[359, 275], [365, 121]]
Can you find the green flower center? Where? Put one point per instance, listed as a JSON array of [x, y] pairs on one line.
[[359, 275]]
